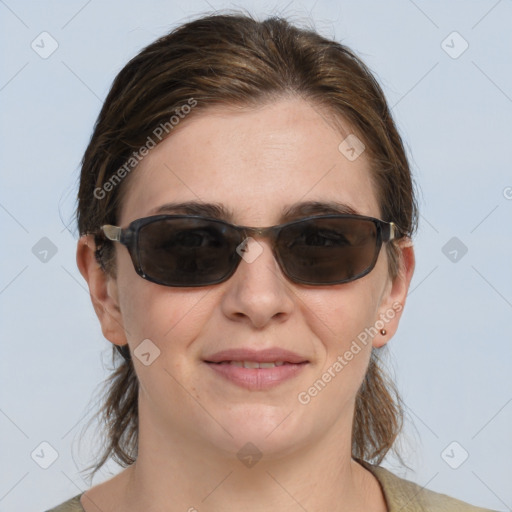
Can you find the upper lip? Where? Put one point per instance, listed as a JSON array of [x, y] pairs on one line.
[[260, 356]]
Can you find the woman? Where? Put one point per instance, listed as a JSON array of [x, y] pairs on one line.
[[246, 210]]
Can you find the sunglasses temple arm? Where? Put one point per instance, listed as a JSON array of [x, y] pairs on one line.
[[394, 231], [112, 232]]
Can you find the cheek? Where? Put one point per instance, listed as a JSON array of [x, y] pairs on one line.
[[341, 313], [152, 311], [342, 319], [170, 318]]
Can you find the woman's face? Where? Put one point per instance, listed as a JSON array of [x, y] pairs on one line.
[[255, 163]]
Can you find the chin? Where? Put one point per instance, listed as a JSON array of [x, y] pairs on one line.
[[272, 431]]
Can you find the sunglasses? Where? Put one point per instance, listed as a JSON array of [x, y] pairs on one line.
[[190, 250]]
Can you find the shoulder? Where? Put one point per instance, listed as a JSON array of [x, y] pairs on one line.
[[400, 495], [72, 505], [404, 495]]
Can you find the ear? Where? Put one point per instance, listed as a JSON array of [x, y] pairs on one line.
[[103, 291], [394, 297]]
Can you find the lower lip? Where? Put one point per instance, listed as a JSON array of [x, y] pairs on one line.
[[257, 379]]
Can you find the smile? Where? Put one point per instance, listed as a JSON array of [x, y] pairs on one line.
[[256, 370]]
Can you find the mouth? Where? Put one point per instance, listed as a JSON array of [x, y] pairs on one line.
[[253, 364], [256, 370]]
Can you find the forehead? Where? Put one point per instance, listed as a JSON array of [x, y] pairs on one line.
[[254, 163]]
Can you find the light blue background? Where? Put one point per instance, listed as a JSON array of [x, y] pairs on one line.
[[453, 353]]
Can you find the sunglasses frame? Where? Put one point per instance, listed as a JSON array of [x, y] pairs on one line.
[[129, 236]]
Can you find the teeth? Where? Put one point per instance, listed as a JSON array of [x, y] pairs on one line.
[[267, 365], [254, 364]]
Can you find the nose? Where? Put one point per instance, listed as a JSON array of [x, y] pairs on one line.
[[257, 293]]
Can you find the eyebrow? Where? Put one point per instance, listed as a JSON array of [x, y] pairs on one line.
[[221, 212]]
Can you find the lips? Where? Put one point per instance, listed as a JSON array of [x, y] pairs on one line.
[[256, 369]]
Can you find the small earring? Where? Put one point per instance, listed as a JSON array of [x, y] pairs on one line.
[[383, 332]]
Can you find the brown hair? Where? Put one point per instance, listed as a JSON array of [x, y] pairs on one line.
[[229, 60]]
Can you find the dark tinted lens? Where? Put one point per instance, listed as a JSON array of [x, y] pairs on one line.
[[329, 251], [187, 252]]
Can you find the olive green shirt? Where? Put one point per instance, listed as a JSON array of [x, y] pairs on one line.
[[401, 496]]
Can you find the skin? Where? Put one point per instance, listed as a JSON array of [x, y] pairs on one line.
[[193, 422]]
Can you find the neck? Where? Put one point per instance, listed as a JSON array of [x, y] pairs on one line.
[[182, 474]]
